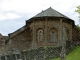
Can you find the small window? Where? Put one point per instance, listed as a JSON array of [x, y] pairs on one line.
[[40, 35]]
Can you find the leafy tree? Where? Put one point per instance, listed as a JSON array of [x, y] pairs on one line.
[[78, 11], [78, 27]]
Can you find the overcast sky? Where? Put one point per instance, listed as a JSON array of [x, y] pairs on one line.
[[14, 13]]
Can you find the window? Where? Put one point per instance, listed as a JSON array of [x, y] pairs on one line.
[[53, 35], [40, 35]]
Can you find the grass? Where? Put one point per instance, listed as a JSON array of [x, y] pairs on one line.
[[74, 55]]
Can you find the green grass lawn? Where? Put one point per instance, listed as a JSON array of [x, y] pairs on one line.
[[74, 55]]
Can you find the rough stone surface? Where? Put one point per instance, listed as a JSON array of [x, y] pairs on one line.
[[28, 38], [2, 44]]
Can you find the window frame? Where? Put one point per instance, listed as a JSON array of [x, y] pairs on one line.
[[38, 33], [55, 39]]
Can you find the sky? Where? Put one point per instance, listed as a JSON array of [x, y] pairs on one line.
[[14, 13]]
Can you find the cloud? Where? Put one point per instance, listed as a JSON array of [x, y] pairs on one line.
[[35, 6], [12, 15], [24, 6], [9, 16], [9, 26]]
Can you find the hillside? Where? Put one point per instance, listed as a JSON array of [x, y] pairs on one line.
[[74, 55]]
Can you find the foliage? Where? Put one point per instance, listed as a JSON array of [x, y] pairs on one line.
[[78, 27], [74, 55], [78, 10]]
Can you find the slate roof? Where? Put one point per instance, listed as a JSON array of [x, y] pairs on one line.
[[51, 13]]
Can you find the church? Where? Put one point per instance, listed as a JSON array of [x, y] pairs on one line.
[[44, 29]]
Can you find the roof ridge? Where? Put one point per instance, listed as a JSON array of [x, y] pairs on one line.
[[51, 13]]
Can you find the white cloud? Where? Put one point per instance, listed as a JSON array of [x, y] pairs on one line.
[[35, 6], [9, 16], [9, 26], [12, 16], [2, 17]]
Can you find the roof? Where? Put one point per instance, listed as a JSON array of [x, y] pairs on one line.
[[50, 13], [14, 33], [17, 31]]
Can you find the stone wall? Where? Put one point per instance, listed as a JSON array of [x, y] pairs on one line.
[[22, 41], [76, 36], [48, 24], [2, 44], [28, 38], [41, 53]]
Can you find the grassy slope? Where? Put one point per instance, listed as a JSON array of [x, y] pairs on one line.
[[74, 55]]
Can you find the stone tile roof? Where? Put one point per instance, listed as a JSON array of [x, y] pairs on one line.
[[18, 31], [51, 13]]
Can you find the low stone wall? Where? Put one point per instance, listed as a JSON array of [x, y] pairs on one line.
[[7, 57], [41, 53]]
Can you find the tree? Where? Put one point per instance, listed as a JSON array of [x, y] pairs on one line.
[[78, 27], [78, 11]]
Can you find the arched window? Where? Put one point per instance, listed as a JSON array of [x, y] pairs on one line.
[[53, 35], [40, 35]]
